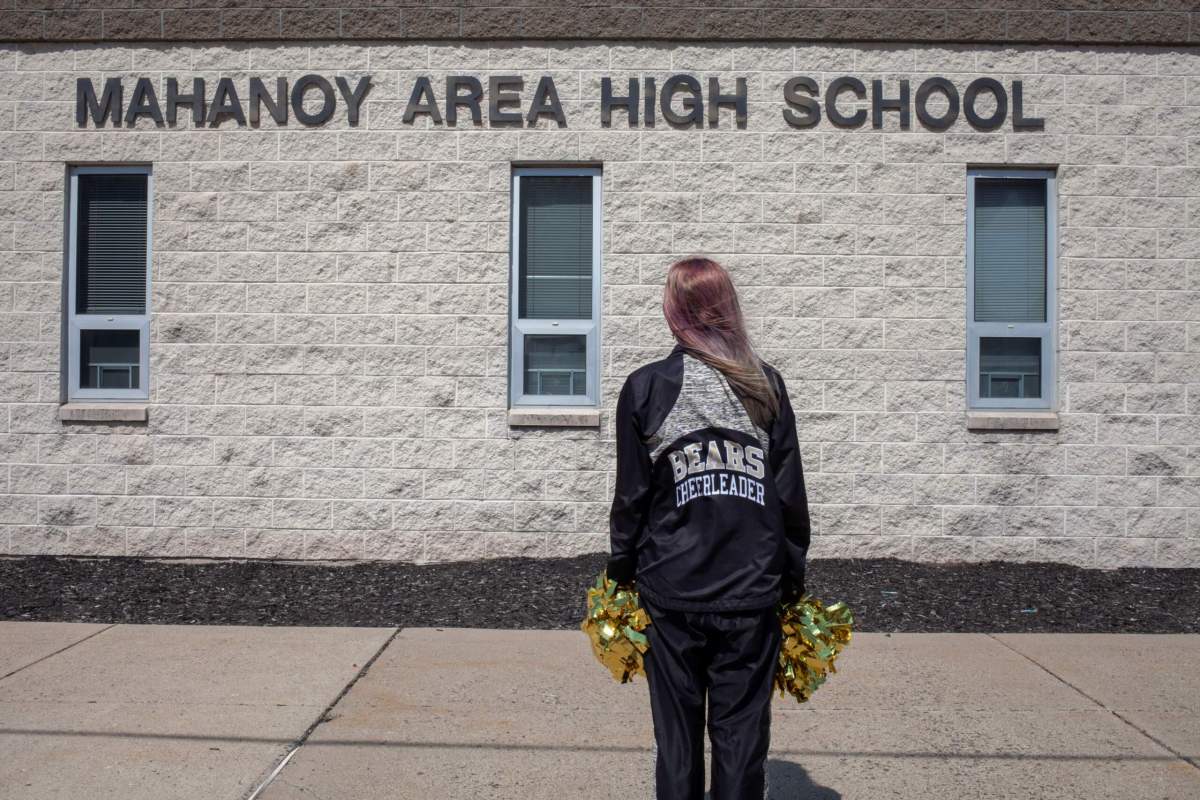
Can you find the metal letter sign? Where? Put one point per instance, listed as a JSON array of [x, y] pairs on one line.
[[683, 101], [846, 102], [224, 102]]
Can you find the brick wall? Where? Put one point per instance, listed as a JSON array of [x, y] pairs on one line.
[[328, 357], [1060, 21]]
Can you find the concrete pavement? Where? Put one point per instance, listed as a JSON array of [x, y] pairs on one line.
[[136, 712], [132, 711]]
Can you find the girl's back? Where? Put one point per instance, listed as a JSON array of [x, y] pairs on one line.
[[710, 519], [712, 527]]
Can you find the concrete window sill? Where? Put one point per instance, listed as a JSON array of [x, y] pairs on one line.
[[104, 412], [554, 417], [1012, 420]]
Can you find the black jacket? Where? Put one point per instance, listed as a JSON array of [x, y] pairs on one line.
[[709, 511]]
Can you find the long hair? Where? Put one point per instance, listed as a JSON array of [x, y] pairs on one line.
[[702, 311]]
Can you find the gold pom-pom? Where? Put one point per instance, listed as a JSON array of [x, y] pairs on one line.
[[813, 635], [615, 624]]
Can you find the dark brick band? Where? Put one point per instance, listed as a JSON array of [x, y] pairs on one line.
[[1169, 22]]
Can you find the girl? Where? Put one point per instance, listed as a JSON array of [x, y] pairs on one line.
[[710, 522]]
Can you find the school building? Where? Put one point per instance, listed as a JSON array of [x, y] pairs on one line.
[[321, 280]]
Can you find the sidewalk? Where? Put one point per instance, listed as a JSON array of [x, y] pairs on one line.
[[136, 712]]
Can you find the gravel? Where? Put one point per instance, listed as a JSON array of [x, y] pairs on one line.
[[885, 594]]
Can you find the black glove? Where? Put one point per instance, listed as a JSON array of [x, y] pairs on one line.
[[791, 591], [622, 570]]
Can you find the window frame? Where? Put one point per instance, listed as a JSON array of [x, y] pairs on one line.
[[519, 328], [76, 323], [1046, 331]]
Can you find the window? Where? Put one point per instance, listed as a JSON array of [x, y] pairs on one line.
[[1010, 289], [108, 283], [554, 347]]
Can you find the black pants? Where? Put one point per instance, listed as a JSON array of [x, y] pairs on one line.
[[723, 660]]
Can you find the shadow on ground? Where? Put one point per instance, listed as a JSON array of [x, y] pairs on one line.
[[789, 781]]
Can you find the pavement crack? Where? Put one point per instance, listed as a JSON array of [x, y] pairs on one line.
[[325, 715], [91, 635], [1189, 760], [1181, 756]]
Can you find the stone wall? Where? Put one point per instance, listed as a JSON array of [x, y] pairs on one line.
[[1059, 21], [330, 307]]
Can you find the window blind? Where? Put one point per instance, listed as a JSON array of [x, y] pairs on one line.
[[110, 243], [1010, 250], [556, 247]]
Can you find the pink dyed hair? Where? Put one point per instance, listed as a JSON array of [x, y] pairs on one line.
[[701, 306]]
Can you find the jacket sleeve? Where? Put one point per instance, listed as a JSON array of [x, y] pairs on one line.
[[793, 499], [631, 498]]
